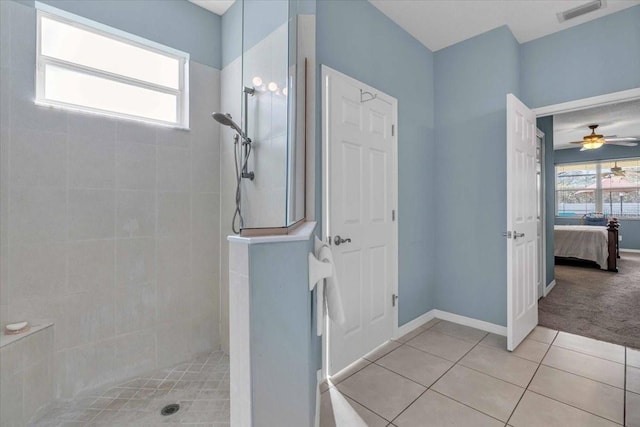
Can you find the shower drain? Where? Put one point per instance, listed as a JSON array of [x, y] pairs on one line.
[[170, 409]]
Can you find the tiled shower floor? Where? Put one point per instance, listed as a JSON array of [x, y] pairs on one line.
[[200, 386]]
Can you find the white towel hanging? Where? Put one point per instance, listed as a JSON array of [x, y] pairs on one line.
[[332, 289]]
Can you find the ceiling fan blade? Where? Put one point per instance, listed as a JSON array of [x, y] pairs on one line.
[[623, 139], [623, 143]]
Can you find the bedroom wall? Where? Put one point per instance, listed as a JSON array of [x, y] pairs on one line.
[[553, 71], [472, 79], [594, 58], [356, 39]]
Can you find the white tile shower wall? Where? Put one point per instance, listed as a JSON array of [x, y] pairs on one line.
[[110, 228], [26, 369]]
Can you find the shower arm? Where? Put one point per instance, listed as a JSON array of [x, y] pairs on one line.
[[247, 91]]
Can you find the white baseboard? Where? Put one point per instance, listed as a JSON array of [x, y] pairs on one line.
[[451, 317], [414, 324], [633, 251], [549, 287], [319, 379], [468, 321]]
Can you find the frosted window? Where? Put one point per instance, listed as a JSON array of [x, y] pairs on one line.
[[89, 68], [76, 88]]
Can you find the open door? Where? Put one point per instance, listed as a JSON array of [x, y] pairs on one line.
[[522, 241]]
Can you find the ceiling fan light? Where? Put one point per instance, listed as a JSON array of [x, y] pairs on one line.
[[592, 145]]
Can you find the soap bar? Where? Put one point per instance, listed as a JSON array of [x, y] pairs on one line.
[[16, 328]]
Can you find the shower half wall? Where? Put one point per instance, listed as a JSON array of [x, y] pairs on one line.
[[110, 228]]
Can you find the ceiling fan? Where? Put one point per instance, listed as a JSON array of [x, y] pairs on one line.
[[594, 140], [616, 171]]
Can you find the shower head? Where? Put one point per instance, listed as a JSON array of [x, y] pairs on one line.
[[226, 120]]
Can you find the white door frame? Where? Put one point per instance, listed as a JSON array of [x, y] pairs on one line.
[[580, 104], [543, 207], [327, 73]]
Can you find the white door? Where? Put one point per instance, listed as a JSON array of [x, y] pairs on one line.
[[522, 241], [540, 272], [360, 202]]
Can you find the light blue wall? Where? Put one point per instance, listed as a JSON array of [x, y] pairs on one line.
[[353, 37], [285, 350], [472, 79], [232, 33], [175, 23], [594, 58], [261, 18], [629, 229]]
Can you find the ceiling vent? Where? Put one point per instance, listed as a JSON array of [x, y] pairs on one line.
[[580, 10]]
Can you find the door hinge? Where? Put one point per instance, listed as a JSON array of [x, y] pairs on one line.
[[393, 130], [393, 215], [394, 298]]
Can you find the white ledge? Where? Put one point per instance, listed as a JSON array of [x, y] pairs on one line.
[[303, 232], [8, 339]]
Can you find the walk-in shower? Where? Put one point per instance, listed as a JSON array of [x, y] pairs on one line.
[[241, 157]]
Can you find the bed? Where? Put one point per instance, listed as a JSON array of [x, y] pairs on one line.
[[597, 244]]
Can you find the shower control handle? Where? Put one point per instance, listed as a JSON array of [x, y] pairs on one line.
[[339, 240]]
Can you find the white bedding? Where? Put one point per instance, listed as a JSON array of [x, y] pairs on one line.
[[587, 242]]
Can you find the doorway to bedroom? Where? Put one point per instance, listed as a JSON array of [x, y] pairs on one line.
[[588, 188]]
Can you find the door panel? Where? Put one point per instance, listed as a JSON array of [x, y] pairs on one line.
[[360, 156], [522, 221]]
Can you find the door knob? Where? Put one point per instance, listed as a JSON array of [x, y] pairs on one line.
[[339, 240], [516, 234]]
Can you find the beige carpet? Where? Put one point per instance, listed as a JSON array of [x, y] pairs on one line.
[[596, 303]]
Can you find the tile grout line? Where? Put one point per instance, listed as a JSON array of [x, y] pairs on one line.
[[582, 376], [575, 407], [624, 393], [532, 377], [395, 373], [556, 400], [438, 379]]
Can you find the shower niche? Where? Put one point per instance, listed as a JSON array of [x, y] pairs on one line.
[[272, 183]]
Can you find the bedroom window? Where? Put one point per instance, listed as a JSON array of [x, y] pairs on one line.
[[610, 187], [87, 66]]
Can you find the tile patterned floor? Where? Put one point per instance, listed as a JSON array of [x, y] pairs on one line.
[[445, 374], [200, 386]]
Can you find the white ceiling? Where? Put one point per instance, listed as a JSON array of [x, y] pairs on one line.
[[622, 119], [219, 7], [441, 23]]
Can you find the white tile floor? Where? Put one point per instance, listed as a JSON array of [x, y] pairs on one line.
[[200, 386], [445, 374]]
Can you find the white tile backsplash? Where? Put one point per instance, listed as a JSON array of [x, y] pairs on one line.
[[91, 214], [174, 214], [91, 265], [173, 169], [135, 166], [41, 156], [135, 213], [37, 215], [91, 162]]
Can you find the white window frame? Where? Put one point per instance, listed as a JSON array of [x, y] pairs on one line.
[[598, 193], [182, 93]]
